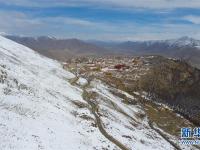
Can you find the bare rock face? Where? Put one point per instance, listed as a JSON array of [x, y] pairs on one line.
[[175, 83]]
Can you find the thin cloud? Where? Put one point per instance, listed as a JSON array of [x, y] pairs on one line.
[[63, 26], [70, 27], [192, 19], [149, 4]]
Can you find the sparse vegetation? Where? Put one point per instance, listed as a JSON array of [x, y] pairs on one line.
[[166, 119], [3, 76], [73, 80], [176, 84], [124, 98], [80, 104]]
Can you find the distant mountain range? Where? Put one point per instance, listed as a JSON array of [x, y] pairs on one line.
[[60, 49], [183, 48]]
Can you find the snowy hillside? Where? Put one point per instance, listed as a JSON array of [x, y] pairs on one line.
[[36, 104], [43, 107], [184, 41]]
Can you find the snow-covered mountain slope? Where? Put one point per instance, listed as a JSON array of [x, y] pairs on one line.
[[41, 108], [36, 110], [184, 41], [180, 42]]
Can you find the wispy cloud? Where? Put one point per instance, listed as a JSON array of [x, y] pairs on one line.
[[151, 4], [20, 23], [68, 27], [16, 21], [192, 19], [95, 22]]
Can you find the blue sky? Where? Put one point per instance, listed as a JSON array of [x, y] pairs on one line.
[[113, 20]]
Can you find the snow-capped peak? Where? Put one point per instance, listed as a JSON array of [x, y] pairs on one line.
[[184, 41], [3, 33], [180, 42]]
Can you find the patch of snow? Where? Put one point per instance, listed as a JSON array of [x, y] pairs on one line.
[[82, 81]]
